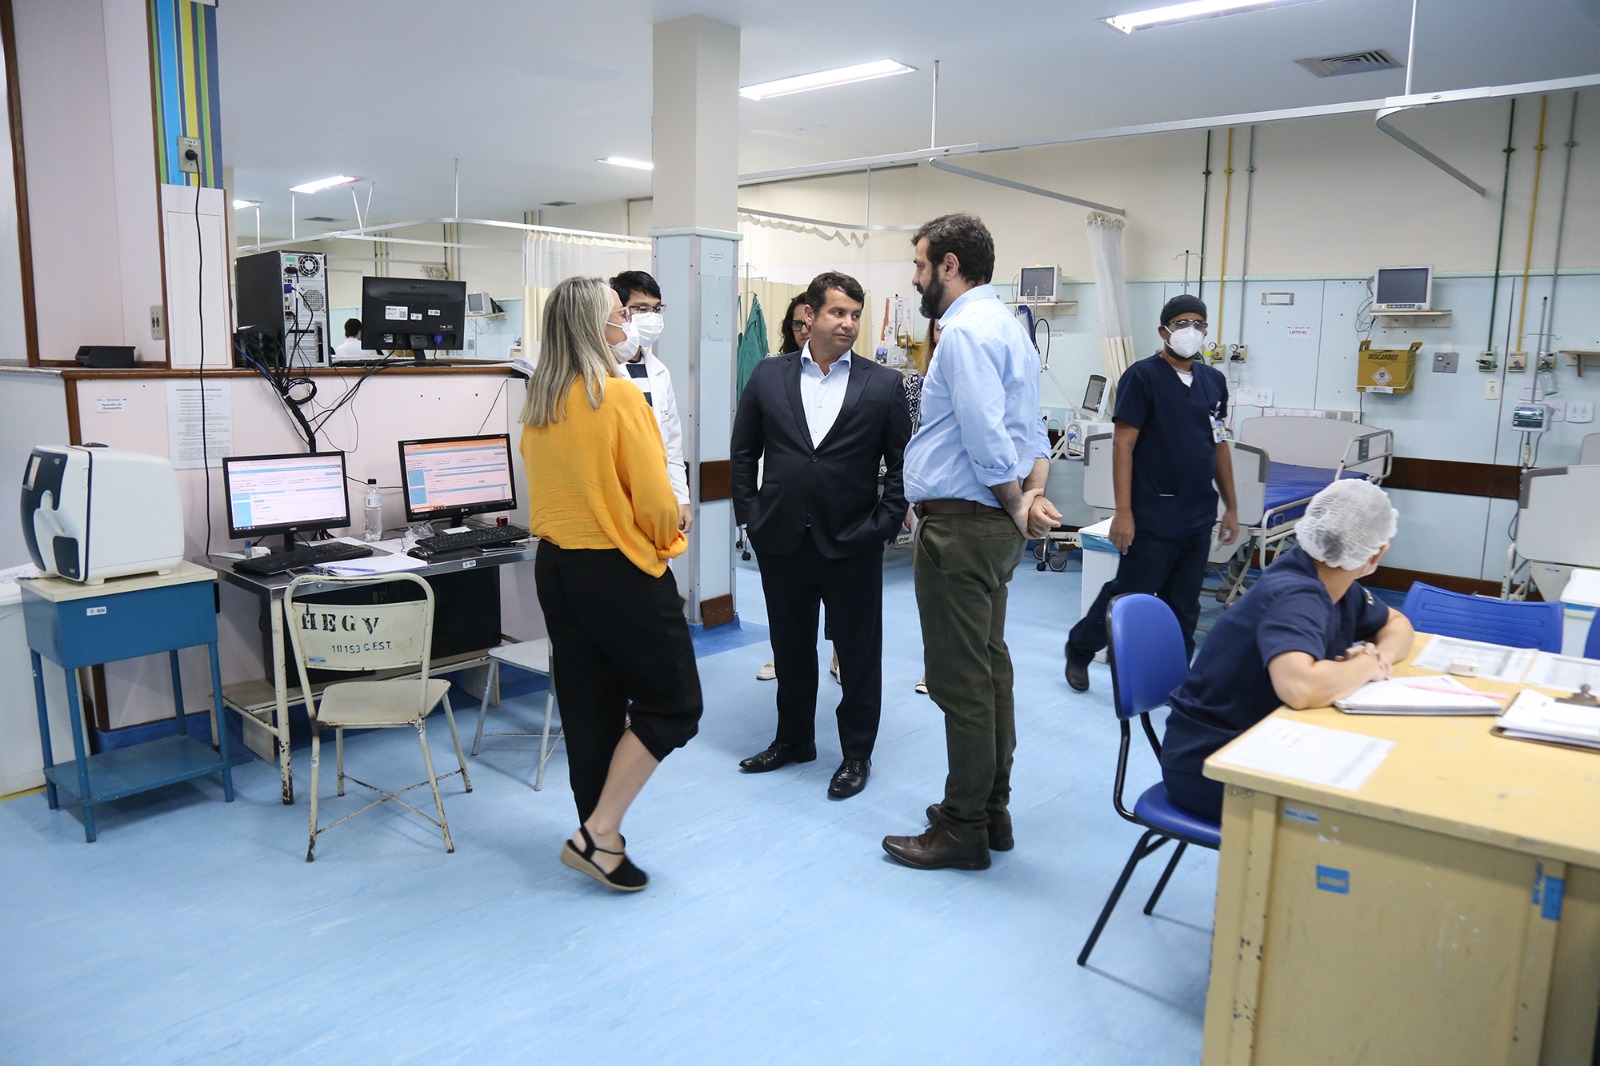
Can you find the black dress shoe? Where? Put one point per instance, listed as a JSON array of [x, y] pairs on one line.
[[850, 778], [1077, 673], [936, 849], [1000, 838], [778, 754]]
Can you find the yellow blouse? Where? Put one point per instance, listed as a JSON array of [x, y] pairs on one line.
[[598, 479]]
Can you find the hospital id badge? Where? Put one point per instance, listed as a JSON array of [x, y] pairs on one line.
[[1219, 431]]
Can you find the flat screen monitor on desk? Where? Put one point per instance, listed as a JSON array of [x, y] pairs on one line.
[[413, 314], [287, 494], [448, 478]]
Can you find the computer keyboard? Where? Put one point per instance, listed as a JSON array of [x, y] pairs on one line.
[[449, 543], [302, 556]]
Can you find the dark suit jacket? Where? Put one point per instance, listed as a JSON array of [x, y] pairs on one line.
[[831, 484]]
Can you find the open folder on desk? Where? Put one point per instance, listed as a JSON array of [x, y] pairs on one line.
[[1535, 716], [1419, 695]]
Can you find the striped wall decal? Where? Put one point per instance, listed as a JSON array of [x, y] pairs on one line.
[[183, 41]]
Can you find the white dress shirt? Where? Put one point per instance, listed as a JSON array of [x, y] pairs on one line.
[[655, 381], [822, 394]]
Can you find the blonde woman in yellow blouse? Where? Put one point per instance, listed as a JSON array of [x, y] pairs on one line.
[[607, 521]]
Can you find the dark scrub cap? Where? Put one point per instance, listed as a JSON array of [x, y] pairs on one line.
[[1180, 305]]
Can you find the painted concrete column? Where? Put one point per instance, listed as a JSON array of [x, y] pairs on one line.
[[696, 260]]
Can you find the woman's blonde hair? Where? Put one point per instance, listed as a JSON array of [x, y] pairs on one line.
[[574, 346]]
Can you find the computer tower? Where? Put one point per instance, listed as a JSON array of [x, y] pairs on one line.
[[285, 295]]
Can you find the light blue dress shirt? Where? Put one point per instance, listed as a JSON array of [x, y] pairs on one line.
[[980, 405], [822, 394]]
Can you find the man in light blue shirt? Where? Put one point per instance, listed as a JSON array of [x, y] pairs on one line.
[[975, 474]]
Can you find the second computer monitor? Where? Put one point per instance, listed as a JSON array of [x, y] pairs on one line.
[[413, 314], [285, 494], [448, 478]]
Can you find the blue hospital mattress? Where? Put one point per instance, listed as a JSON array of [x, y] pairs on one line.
[[1288, 484]]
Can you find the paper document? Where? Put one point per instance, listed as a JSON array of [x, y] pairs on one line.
[[1306, 752], [1419, 695], [1535, 716], [1567, 672], [379, 562], [1494, 661]]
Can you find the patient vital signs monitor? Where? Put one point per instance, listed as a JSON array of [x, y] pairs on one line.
[[1408, 288], [285, 494], [448, 478]]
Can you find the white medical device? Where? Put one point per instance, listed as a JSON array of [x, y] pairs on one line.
[[90, 513]]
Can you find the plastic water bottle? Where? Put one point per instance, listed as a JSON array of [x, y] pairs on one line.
[[374, 512]]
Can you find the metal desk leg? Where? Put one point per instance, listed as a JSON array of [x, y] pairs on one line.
[[84, 798], [219, 724], [177, 693], [280, 690], [44, 728]]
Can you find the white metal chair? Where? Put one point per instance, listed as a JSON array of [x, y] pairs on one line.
[[534, 657], [392, 638]]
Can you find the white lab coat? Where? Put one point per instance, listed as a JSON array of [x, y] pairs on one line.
[[665, 405]]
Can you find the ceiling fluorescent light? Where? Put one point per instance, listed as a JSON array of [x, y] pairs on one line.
[[237, 204], [324, 183], [1169, 14], [822, 79], [632, 164]]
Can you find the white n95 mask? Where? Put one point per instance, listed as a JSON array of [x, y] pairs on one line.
[[1186, 342], [628, 347], [649, 324]]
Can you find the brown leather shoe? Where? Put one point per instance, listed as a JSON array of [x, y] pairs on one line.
[[936, 849], [1000, 838]]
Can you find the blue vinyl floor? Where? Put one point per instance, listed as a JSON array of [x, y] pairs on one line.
[[774, 929]]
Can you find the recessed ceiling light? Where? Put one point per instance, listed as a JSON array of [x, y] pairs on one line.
[[246, 203], [1189, 12], [324, 183], [632, 164], [822, 79]]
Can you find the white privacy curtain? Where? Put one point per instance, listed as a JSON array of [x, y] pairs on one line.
[[552, 255], [1111, 291]]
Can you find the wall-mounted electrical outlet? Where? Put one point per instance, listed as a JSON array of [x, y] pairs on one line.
[[158, 322], [1491, 389], [1580, 411], [189, 155], [1445, 362]]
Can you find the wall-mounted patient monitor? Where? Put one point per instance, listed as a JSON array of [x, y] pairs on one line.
[[1408, 288], [287, 494], [1037, 285], [448, 478]]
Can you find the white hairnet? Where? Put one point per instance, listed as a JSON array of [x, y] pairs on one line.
[[1346, 523]]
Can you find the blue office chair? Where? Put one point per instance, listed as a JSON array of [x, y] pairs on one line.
[[1509, 622], [1148, 662]]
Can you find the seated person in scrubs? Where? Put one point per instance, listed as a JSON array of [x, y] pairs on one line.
[[1305, 634]]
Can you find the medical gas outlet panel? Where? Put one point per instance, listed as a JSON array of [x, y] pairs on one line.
[[287, 293]]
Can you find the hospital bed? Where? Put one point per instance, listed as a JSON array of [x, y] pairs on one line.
[[1557, 530], [1278, 465]]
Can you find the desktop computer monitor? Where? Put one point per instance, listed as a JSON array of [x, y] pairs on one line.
[[414, 314], [287, 494], [448, 478]]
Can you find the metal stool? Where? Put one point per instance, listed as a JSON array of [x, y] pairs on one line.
[[534, 657]]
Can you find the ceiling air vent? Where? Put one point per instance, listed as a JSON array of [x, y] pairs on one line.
[[320, 218], [559, 203], [1350, 63]]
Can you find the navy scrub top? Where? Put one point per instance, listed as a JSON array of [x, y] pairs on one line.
[[1175, 457]]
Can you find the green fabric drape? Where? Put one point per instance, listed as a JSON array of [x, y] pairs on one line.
[[752, 343]]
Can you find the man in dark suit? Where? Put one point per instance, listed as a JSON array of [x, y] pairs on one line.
[[821, 421]]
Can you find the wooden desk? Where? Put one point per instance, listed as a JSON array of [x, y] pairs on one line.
[[75, 625], [264, 705], [1448, 911]]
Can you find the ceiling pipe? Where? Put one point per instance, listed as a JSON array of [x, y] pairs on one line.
[[1020, 187], [1388, 105]]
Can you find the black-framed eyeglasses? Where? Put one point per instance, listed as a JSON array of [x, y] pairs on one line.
[[1184, 323]]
